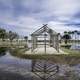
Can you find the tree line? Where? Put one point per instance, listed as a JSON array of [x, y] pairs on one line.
[[8, 35], [70, 34], [13, 35]]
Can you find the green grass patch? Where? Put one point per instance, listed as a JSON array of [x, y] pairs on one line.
[[56, 58], [66, 46], [71, 52]]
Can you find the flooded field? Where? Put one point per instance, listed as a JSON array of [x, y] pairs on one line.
[[75, 46], [13, 68]]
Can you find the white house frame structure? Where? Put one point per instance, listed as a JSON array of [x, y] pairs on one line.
[[53, 40]]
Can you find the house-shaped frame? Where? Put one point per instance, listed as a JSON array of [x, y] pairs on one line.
[[53, 41]]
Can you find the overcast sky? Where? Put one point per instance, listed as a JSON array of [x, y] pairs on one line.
[[25, 16]]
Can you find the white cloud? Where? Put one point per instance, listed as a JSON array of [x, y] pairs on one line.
[[62, 10], [61, 7], [60, 27], [23, 24]]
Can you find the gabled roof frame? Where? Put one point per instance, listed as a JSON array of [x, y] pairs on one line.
[[44, 28]]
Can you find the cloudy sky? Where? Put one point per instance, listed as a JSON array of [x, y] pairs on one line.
[[25, 16]]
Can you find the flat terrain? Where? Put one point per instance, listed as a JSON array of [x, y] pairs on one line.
[[41, 50]]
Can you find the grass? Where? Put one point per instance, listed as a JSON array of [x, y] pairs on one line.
[[71, 58], [71, 52]]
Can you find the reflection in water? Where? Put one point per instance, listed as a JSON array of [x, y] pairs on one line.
[[45, 70], [2, 54], [14, 62], [13, 68], [25, 69], [48, 70]]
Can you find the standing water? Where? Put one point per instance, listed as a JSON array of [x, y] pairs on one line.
[[75, 46], [13, 68]]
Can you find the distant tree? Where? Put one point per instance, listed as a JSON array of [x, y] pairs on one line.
[[66, 37], [12, 36], [75, 32], [70, 33], [3, 34], [26, 39], [59, 37], [65, 32]]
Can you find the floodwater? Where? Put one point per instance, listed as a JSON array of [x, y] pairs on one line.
[[75, 46], [13, 68]]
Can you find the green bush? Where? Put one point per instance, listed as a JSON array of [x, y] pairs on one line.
[[66, 46], [2, 51]]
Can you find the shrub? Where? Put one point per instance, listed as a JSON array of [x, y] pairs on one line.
[[66, 46]]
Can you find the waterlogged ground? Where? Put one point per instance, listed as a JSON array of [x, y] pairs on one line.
[[13, 68]]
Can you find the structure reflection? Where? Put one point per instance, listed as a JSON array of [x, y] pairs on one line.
[[44, 69]]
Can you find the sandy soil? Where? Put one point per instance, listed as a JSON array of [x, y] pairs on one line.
[[49, 50]]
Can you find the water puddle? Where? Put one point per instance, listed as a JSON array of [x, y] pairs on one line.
[[26, 69]]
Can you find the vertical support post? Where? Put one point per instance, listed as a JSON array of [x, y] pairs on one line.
[[32, 43], [50, 42], [57, 42], [53, 40], [36, 42], [45, 67], [45, 42]]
